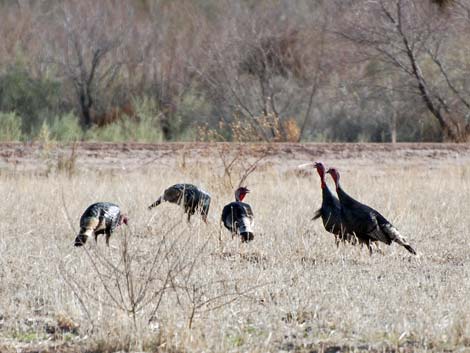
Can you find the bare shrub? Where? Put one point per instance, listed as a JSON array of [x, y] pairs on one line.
[[88, 39], [411, 39], [236, 166], [132, 281]]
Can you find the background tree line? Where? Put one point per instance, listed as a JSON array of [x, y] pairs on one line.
[[270, 70]]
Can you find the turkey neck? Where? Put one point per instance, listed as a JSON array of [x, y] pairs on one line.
[[327, 195], [343, 196], [322, 182]]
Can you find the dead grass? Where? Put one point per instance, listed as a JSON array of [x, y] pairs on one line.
[[291, 289]]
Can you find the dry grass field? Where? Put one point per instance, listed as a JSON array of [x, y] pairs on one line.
[[168, 286]]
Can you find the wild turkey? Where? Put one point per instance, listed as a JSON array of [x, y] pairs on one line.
[[330, 210], [99, 218], [189, 196], [238, 216], [365, 222]]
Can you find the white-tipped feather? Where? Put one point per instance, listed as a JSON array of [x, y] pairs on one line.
[[245, 226], [396, 236], [393, 232]]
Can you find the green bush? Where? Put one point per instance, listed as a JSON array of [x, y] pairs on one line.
[[351, 126], [422, 129], [44, 134], [193, 110], [65, 128], [125, 130], [31, 98], [10, 127], [145, 128]]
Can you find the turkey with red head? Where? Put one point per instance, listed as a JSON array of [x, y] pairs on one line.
[[237, 216], [99, 218], [189, 196], [366, 223], [330, 210]]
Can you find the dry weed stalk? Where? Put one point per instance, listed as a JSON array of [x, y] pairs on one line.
[[133, 282], [237, 163], [68, 164], [196, 297], [242, 129], [198, 300]]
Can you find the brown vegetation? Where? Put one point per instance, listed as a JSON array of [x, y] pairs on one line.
[[339, 71], [114, 115]]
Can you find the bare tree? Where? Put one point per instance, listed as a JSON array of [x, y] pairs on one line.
[[262, 74], [170, 34], [86, 48], [320, 72], [411, 38], [16, 26]]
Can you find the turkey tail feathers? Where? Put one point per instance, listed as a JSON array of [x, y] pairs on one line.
[[397, 237], [245, 225], [410, 249], [245, 229], [156, 203], [317, 214]]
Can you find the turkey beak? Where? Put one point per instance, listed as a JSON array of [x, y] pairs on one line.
[[305, 165]]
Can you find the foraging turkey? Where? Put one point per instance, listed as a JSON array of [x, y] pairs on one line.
[[189, 196], [238, 216], [99, 218], [365, 222], [330, 210]]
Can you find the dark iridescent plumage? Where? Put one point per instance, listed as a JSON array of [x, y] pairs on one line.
[[189, 196], [238, 216], [99, 218], [364, 222], [330, 210]]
